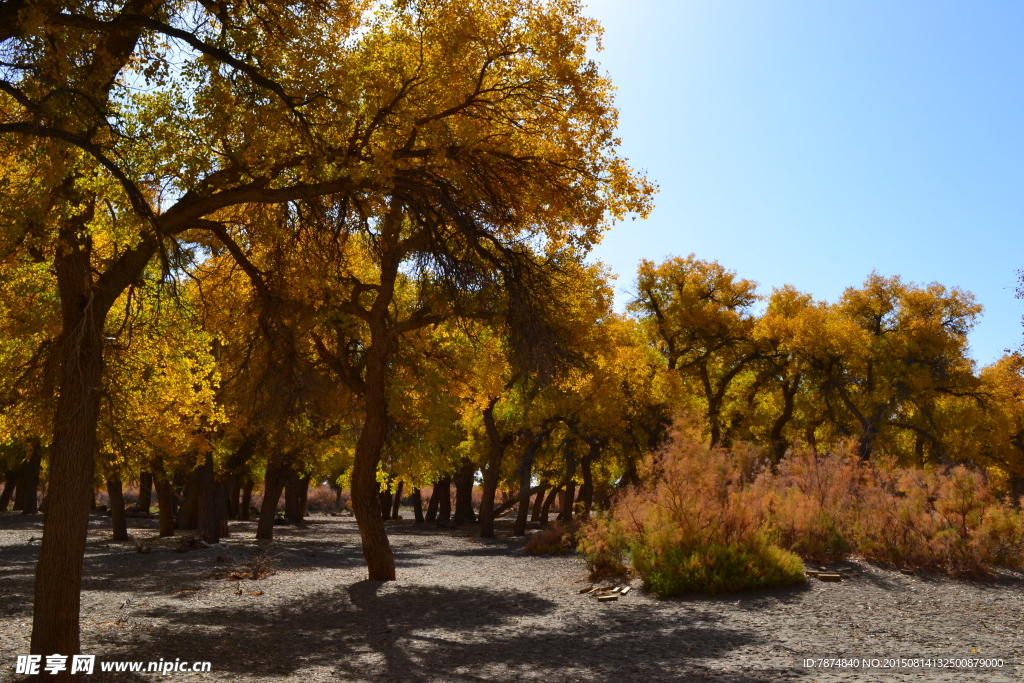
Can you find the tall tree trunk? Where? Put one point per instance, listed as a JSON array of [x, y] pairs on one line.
[[525, 477], [566, 500], [777, 442], [273, 484], [380, 562], [398, 500], [547, 504], [464, 493], [523, 512], [80, 380], [28, 488], [417, 505], [243, 507], [86, 296], [384, 498], [115, 493], [19, 500], [444, 500], [602, 495], [188, 513], [492, 472], [811, 436], [587, 490], [145, 491], [10, 484], [304, 498], [165, 499], [1016, 490], [337, 495], [210, 502], [538, 502], [293, 498], [234, 485], [225, 508], [866, 443], [435, 500]]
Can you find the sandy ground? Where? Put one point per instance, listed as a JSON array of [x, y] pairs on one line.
[[465, 609]]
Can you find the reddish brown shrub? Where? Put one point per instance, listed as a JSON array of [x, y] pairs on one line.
[[557, 539], [714, 520]]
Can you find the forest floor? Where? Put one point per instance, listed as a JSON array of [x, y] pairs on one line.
[[467, 609]]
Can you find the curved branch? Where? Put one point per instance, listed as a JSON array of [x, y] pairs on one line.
[[78, 21], [135, 195]]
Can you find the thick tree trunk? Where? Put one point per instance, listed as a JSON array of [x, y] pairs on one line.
[[538, 502], [716, 429], [304, 498], [384, 499], [243, 507], [293, 497], [145, 491], [547, 504], [188, 512], [566, 500], [210, 503], [165, 499], [85, 298], [225, 509], [432, 504], [778, 444], [337, 495], [525, 477], [444, 500], [866, 443], [811, 437], [435, 500], [464, 493], [10, 484], [28, 487], [587, 490], [234, 486], [380, 562], [273, 485], [1016, 490], [177, 481], [602, 496], [59, 569], [115, 493], [398, 500], [493, 470], [417, 505]]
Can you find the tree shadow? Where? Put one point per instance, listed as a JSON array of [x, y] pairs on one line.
[[391, 632]]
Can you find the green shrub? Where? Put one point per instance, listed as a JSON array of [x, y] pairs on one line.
[[717, 569]]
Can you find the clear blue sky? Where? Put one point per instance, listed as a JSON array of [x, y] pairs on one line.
[[809, 142]]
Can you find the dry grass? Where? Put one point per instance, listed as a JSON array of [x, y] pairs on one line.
[[941, 519], [558, 539], [714, 520], [258, 567]]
